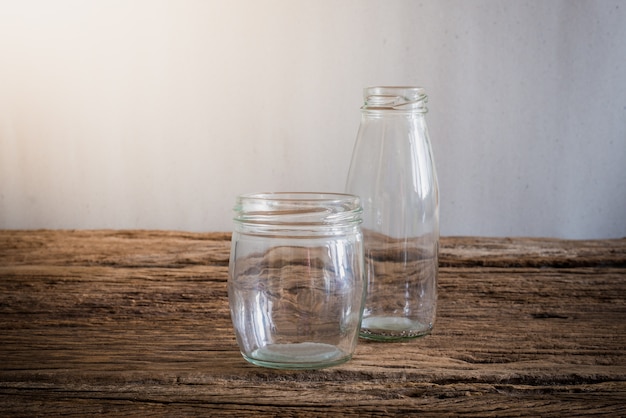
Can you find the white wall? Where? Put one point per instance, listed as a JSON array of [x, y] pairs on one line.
[[155, 114]]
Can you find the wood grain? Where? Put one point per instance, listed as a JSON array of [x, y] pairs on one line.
[[136, 323]]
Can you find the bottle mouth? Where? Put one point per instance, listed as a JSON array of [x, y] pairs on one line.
[[298, 210], [395, 98]]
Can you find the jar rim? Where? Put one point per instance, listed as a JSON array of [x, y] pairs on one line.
[[298, 209], [299, 196]]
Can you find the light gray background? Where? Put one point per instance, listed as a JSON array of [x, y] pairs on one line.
[[155, 114]]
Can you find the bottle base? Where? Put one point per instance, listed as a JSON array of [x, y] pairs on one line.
[[387, 328], [298, 356]]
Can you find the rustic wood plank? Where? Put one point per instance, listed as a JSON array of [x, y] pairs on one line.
[[136, 323]]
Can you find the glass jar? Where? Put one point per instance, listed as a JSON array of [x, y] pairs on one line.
[[296, 286], [393, 173]]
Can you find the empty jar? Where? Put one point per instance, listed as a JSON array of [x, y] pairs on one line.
[[393, 172], [296, 285]]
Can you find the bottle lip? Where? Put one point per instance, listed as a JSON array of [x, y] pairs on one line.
[[407, 98], [297, 210]]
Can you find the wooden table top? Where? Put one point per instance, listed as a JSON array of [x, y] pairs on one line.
[[136, 323]]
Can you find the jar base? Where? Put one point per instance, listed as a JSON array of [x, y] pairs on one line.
[[388, 328], [298, 356]]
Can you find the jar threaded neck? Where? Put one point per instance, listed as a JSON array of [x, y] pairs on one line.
[[311, 212]]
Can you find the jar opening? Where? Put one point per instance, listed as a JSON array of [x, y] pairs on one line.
[[395, 98], [298, 210]]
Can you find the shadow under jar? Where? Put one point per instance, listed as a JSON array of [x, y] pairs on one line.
[[296, 283]]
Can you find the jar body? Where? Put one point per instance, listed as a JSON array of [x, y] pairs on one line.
[[393, 172], [296, 279]]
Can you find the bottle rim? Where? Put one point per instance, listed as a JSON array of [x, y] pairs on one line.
[[407, 98]]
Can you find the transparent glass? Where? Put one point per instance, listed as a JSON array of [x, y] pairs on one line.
[[296, 283], [393, 172]]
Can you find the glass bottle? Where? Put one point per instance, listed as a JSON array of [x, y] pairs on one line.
[[393, 172], [296, 278]]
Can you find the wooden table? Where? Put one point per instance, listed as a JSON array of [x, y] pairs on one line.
[[136, 323]]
